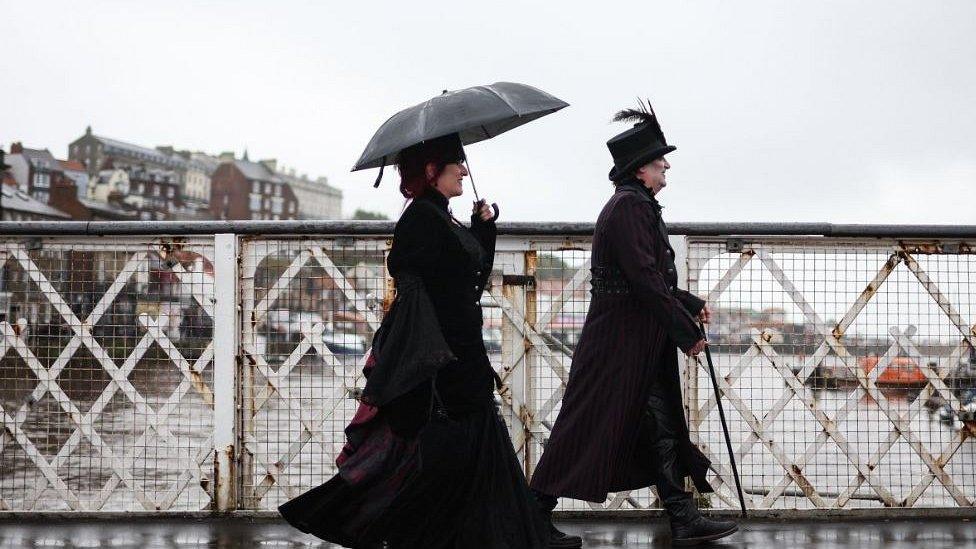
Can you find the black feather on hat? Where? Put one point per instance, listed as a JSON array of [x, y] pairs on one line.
[[639, 145]]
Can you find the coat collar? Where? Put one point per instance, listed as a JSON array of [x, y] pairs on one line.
[[635, 186], [436, 198]]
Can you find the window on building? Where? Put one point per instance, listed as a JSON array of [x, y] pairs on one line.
[[255, 186], [156, 190], [170, 192], [276, 204], [255, 202], [277, 190]]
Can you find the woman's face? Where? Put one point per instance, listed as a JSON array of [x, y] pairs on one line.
[[449, 181]]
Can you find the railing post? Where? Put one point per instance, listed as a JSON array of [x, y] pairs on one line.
[[527, 412], [226, 342], [689, 373], [689, 377]]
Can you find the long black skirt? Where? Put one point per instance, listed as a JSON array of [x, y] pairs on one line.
[[395, 504]]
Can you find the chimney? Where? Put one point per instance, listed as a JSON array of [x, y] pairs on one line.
[[271, 164], [226, 156], [64, 196]]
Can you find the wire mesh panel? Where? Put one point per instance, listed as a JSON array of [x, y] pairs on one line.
[[310, 308], [105, 388], [846, 367]]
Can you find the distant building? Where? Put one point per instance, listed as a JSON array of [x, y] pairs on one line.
[[153, 193], [99, 153], [196, 185], [17, 205], [198, 170], [316, 199], [241, 189], [33, 169], [146, 193], [77, 172], [65, 197]]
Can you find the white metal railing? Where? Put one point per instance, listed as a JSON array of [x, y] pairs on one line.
[[183, 373]]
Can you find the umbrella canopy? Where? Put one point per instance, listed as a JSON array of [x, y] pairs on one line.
[[476, 114]]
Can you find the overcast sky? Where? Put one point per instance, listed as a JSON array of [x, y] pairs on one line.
[[845, 112]]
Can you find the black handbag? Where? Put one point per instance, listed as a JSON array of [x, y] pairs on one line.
[[444, 445]]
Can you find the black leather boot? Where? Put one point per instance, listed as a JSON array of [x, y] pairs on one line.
[[688, 527], [557, 538]]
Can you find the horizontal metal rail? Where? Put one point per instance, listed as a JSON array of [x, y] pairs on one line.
[[555, 228]]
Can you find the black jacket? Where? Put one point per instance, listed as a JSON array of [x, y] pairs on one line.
[[453, 264], [453, 261]]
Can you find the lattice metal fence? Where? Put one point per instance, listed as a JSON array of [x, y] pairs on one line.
[[105, 389], [846, 364], [848, 368], [309, 311]]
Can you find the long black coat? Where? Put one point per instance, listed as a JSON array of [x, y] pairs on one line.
[[600, 441]]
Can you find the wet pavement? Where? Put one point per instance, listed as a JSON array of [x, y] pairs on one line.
[[267, 533]]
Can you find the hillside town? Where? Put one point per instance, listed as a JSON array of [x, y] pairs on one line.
[[107, 179]]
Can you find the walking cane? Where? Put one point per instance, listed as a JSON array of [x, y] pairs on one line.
[[725, 427]]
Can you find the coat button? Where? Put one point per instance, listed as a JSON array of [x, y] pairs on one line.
[[671, 288], [670, 270]]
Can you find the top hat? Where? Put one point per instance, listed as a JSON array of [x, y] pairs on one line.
[[638, 145]]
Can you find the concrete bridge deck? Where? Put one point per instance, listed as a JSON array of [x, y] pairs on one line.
[[235, 532]]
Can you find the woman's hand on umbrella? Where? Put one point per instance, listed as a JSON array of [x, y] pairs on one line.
[[482, 210]]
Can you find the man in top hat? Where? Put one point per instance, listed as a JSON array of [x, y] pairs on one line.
[[622, 425]]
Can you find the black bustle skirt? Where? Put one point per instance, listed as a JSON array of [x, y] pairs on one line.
[[397, 505]]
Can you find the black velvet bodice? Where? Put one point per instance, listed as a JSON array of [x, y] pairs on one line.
[[454, 263]]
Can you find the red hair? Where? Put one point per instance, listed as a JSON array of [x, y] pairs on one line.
[[413, 174], [412, 163]]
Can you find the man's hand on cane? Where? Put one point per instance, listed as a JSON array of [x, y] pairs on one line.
[[697, 348], [705, 315], [702, 317]]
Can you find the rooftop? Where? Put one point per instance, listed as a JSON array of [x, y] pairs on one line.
[[20, 201], [141, 152]]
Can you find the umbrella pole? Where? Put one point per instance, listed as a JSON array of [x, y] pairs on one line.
[[725, 427], [467, 166]]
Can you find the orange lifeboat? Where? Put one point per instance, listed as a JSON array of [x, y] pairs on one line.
[[901, 372]]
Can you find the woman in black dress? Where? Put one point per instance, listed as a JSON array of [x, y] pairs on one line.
[[402, 481]]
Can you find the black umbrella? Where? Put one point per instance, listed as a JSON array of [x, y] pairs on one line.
[[476, 114]]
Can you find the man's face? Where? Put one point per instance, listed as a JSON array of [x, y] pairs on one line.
[[653, 174]]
